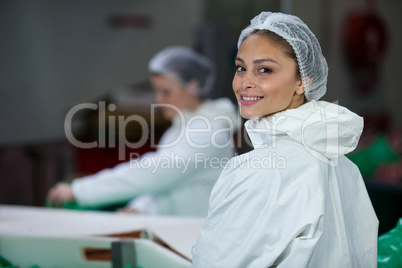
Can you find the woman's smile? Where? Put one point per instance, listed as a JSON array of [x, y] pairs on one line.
[[249, 99]]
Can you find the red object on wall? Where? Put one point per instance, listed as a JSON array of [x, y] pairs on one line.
[[365, 40]]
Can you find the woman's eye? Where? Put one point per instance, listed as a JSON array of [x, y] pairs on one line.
[[239, 69], [265, 70], [164, 93]]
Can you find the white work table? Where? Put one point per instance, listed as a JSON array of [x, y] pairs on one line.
[[61, 231]]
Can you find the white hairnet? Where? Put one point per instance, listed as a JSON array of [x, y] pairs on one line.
[[184, 64], [312, 64]]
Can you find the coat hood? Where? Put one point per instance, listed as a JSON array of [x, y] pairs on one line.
[[324, 129]]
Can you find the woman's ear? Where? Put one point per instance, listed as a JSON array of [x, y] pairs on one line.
[[300, 88], [193, 87]]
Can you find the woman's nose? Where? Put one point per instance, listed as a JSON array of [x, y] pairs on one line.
[[158, 98], [248, 81]]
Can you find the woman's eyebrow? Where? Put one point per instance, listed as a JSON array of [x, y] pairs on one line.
[[259, 61], [239, 59], [264, 60]]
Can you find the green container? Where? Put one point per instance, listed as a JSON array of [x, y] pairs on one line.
[[390, 248]]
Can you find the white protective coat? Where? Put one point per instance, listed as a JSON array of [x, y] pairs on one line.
[[295, 200], [180, 174]]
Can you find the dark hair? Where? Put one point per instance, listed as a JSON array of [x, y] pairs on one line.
[[280, 41]]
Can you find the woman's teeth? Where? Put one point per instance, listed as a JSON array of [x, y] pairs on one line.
[[251, 98]]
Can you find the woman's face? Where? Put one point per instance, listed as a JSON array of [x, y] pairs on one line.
[[266, 80], [171, 93]]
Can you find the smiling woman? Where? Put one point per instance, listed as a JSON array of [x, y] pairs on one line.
[[266, 79], [295, 200]]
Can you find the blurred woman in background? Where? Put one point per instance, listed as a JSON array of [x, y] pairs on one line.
[[190, 156]]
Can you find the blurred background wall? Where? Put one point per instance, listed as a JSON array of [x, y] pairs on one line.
[[57, 54]]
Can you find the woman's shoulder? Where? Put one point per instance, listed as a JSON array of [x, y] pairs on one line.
[[255, 176], [272, 164]]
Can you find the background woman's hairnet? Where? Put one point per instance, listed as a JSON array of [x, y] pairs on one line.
[[312, 64], [184, 64]]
